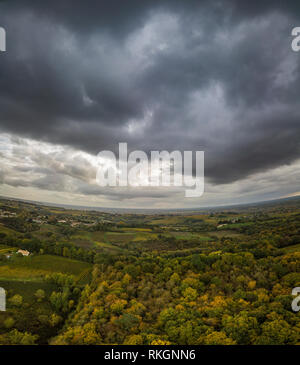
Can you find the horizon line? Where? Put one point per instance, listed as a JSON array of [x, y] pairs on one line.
[[91, 208]]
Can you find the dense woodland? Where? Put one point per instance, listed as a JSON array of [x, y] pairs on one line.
[[221, 276]]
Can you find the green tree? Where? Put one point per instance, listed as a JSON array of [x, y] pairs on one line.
[[40, 295], [16, 300]]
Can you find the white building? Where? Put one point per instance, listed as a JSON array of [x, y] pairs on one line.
[[24, 252]]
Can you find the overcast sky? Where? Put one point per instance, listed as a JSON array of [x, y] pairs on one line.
[[78, 77]]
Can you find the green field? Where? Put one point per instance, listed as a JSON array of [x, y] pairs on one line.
[[191, 236], [223, 233], [112, 241], [293, 248], [7, 230], [238, 225], [98, 239], [35, 268], [6, 249], [26, 289]]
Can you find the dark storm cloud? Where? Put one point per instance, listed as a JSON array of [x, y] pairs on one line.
[[218, 76]]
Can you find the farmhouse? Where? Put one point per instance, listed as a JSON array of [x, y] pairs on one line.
[[24, 252]]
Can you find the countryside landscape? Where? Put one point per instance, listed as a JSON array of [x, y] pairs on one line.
[[149, 179], [217, 276]]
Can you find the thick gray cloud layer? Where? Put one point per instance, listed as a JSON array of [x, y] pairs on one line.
[[214, 76], [59, 174]]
